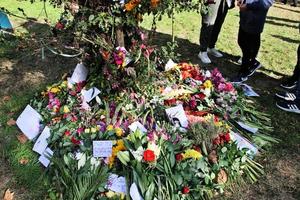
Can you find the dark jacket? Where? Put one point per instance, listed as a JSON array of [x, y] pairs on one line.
[[253, 19]]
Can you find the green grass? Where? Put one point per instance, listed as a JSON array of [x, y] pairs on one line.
[[277, 54]]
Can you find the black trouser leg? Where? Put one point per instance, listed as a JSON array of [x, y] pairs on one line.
[[249, 43], [222, 12], [205, 35], [296, 73]]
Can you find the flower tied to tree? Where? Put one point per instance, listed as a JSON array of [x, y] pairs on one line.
[[131, 5], [149, 155]]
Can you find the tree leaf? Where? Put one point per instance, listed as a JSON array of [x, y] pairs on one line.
[[8, 195], [22, 138], [11, 122]]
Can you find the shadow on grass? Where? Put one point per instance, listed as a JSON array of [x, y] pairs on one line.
[[286, 39], [282, 162], [284, 8]]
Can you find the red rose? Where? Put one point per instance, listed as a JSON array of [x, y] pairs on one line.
[[193, 104], [75, 141], [67, 133], [196, 148], [185, 190], [149, 155], [216, 141], [201, 96], [170, 102], [59, 26], [179, 156], [227, 137]]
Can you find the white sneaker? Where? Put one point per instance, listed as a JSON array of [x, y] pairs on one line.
[[240, 60], [204, 57], [215, 52]]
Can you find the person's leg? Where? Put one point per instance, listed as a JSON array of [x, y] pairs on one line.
[[222, 12], [243, 38]]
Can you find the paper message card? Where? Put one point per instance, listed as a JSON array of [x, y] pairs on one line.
[[117, 184], [248, 91], [29, 122], [170, 65], [41, 143], [247, 127], [80, 74], [44, 158], [88, 95], [102, 148], [177, 116], [137, 125], [134, 192], [243, 143]]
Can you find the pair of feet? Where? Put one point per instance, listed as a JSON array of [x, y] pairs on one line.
[[203, 55], [288, 101], [245, 73]]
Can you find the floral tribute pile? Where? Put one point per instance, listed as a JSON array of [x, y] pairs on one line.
[[179, 138]]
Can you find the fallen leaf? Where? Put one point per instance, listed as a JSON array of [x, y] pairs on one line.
[[6, 98], [8, 195], [23, 161], [10, 114], [11, 122], [22, 138]]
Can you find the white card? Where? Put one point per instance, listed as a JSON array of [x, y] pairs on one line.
[[243, 143], [134, 192], [248, 91], [137, 125], [88, 95], [80, 74], [247, 127], [41, 143], [102, 148], [44, 158], [117, 184], [29, 122], [170, 65], [177, 116]]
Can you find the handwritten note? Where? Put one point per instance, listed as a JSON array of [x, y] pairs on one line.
[[41, 143], [80, 74], [90, 94], [134, 192], [177, 116], [137, 125], [44, 158], [247, 127], [102, 149], [117, 184], [29, 122], [243, 143]]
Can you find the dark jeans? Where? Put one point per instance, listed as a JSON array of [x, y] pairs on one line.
[[296, 74], [222, 12], [207, 25], [249, 43]]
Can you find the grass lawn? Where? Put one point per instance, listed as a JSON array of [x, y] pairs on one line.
[[23, 73]]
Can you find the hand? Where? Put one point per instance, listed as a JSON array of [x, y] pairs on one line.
[[243, 7]]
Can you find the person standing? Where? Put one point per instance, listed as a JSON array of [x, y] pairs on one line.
[[225, 5], [208, 21]]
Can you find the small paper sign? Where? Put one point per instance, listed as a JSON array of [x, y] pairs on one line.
[[102, 148], [29, 122], [137, 125], [80, 74], [117, 184], [243, 143], [134, 192], [170, 65], [90, 94], [247, 127], [41, 143], [248, 91], [177, 116], [44, 158]]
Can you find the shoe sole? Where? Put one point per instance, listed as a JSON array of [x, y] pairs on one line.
[[288, 110], [238, 82], [259, 66], [220, 56], [284, 97], [286, 87]]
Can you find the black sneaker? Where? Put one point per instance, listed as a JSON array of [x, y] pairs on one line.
[[253, 68], [289, 106], [289, 84], [287, 96], [239, 79]]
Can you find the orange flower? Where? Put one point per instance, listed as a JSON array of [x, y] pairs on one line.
[[154, 3], [131, 5]]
